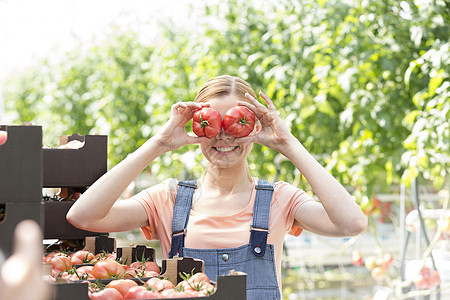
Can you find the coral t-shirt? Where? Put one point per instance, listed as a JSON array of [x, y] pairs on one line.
[[216, 232]]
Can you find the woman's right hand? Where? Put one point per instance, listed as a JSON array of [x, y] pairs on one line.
[[172, 135]]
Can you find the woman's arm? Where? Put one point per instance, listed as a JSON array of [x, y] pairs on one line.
[[337, 214], [98, 210]]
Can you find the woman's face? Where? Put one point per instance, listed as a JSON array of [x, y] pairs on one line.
[[223, 151]]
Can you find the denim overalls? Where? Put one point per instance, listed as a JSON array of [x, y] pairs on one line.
[[255, 258]]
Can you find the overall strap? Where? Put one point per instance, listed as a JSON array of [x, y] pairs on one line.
[[260, 226], [183, 203]]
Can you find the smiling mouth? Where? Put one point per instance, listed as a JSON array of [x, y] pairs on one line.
[[225, 149]]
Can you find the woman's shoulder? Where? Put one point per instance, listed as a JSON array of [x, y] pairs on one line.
[[284, 190], [278, 185], [168, 186]]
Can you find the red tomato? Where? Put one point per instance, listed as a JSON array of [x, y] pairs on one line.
[[370, 263], [184, 286], [208, 289], [3, 137], [357, 259], [150, 273], [134, 273], [172, 293], [106, 294], [387, 259], [421, 281], [434, 279], [159, 284], [84, 272], [122, 285], [85, 269], [61, 263], [71, 277], [139, 273], [207, 122], [147, 266], [76, 196], [48, 258], [239, 121], [378, 273], [81, 257], [191, 293], [106, 256], [106, 269], [427, 279], [141, 292], [197, 282]]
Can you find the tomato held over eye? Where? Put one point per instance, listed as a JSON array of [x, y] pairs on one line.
[[239, 121], [207, 122]]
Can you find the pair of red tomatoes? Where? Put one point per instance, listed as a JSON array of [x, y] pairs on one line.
[[238, 121]]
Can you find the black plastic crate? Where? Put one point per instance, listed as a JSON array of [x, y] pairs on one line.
[[21, 165]]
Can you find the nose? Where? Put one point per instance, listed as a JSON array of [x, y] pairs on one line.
[[223, 135]]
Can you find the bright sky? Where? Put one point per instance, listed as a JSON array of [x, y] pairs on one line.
[[31, 29]]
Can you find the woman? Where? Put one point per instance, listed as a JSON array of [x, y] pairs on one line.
[[211, 218]]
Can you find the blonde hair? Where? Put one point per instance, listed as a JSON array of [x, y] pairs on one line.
[[224, 85]]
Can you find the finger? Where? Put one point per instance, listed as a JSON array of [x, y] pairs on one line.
[[28, 240], [258, 109], [246, 104], [191, 105], [187, 108], [258, 114], [21, 275], [197, 140], [255, 102], [268, 101], [248, 139]]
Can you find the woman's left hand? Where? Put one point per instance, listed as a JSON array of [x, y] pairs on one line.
[[273, 132]]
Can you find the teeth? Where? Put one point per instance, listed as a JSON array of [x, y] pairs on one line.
[[225, 149]]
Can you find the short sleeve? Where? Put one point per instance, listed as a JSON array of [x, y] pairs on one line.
[[158, 202], [289, 199]]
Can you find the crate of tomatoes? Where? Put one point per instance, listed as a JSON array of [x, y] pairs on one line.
[[85, 275]]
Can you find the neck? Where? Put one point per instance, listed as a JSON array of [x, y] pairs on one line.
[[228, 180]]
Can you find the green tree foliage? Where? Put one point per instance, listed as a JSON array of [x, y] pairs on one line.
[[363, 85]]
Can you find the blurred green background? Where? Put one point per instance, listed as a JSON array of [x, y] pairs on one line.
[[362, 84]]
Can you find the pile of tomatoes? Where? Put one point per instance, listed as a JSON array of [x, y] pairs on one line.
[[378, 266], [111, 279], [196, 285], [82, 265]]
